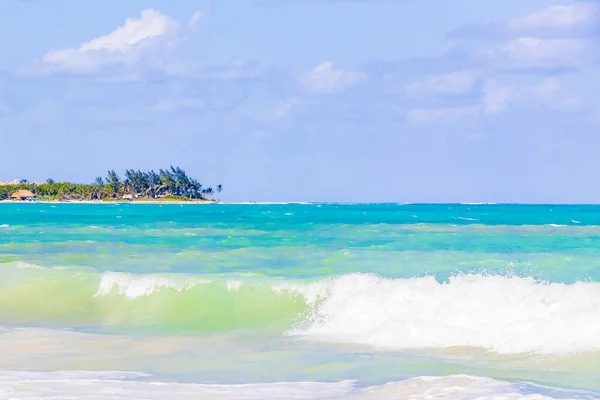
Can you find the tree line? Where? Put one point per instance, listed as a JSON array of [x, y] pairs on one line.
[[172, 182]]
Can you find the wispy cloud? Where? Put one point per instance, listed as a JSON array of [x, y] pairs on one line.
[[580, 18], [554, 39], [549, 93], [142, 39], [536, 53], [495, 97], [560, 21], [454, 83], [324, 78]]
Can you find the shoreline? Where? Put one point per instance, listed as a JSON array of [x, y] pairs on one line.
[[150, 202], [106, 202]]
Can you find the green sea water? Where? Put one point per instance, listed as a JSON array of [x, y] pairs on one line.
[[332, 293]]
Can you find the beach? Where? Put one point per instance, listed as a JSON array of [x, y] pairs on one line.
[[306, 301]]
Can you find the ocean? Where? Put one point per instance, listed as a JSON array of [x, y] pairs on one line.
[[299, 301]]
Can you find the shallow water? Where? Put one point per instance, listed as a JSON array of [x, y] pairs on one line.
[[299, 301]]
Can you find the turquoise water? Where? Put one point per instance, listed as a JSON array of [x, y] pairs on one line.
[[496, 298]]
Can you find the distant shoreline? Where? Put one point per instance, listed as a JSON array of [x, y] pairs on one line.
[[161, 202]]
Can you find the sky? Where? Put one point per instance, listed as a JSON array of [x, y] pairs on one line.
[[309, 100]]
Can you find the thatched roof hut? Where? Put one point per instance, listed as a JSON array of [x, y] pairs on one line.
[[22, 195]]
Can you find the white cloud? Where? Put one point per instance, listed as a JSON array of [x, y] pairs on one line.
[[195, 18], [283, 109], [126, 45], [581, 19], [455, 83], [531, 52], [550, 93], [324, 78], [151, 24], [495, 97], [555, 38], [554, 95], [574, 16], [430, 115]]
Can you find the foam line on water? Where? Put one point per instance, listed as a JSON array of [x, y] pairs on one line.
[[126, 385], [91, 385], [465, 387]]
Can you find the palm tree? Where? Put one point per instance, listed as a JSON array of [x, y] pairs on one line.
[[195, 189], [99, 181], [130, 181], [167, 182], [153, 183], [23, 181], [50, 181], [208, 191], [182, 181], [113, 181], [219, 188]]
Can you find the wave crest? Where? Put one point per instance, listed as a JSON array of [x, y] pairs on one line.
[[501, 314], [506, 315], [134, 286]]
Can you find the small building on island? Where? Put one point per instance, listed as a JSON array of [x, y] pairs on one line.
[[23, 195]]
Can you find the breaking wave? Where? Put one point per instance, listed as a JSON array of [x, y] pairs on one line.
[[123, 302], [497, 313], [501, 314]]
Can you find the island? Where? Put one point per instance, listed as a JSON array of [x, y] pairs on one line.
[[172, 184]]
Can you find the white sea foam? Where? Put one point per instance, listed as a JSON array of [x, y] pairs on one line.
[[233, 286], [24, 265], [464, 387], [125, 385], [102, 385], [4, 226], [134, 286], [501, 314]]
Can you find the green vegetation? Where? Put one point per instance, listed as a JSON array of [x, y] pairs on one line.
[[171, 184]]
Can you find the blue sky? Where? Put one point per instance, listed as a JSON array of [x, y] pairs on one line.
[[309, 100]]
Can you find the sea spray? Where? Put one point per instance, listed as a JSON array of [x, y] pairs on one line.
[[496, 313]]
